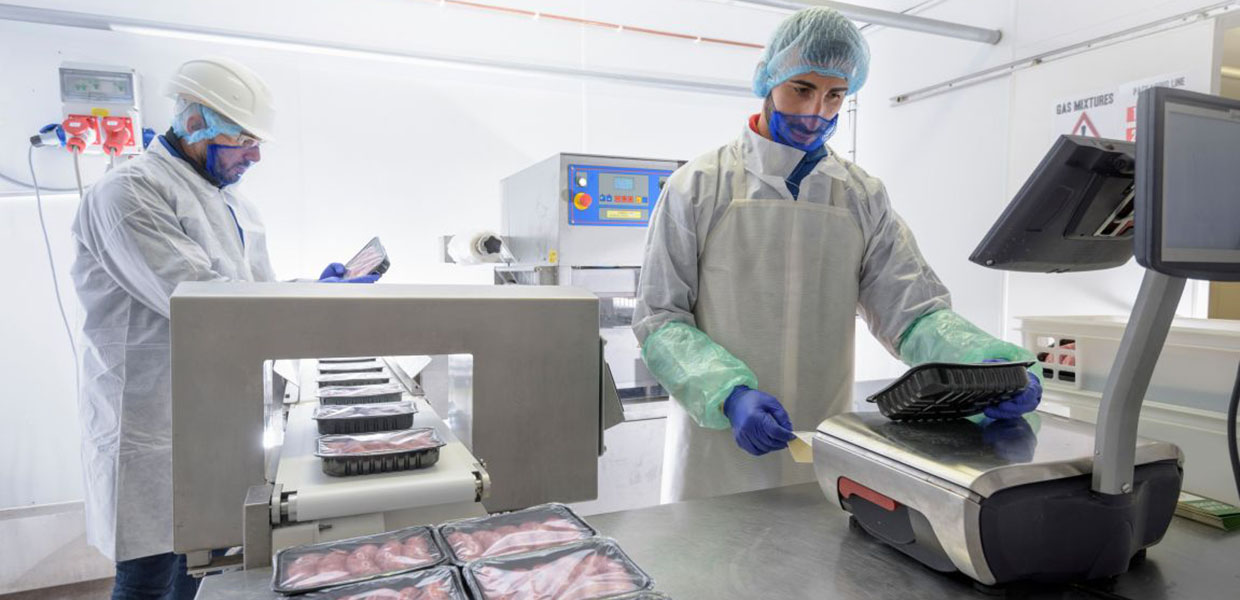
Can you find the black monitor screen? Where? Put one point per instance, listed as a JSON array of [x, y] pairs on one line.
[[1188, 184], [1201, 184], [1074, 213]]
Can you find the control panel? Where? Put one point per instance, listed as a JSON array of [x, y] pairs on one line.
[[613, 196]]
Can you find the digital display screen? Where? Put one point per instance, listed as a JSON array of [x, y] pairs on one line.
[[1201, 184], [613, 184]]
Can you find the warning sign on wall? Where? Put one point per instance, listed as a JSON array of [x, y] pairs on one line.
[[1128, 98], [1089, 115], [1109, 114]]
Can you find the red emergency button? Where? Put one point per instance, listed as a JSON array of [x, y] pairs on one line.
[[582, 200]]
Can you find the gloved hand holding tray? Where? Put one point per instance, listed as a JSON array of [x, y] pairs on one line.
[[937, 391]]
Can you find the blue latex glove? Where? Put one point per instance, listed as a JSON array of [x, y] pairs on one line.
[[334, 273], [1017, 405], [759, 422]]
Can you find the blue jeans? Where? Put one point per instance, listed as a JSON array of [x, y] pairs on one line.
[[156, 577]]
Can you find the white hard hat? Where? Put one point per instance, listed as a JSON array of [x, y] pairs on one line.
[[229, 88]]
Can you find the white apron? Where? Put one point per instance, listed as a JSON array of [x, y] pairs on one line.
[[778, 288]]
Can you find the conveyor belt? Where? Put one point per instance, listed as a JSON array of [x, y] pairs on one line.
[[319, 496]]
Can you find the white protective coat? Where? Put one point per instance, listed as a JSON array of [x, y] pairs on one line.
[[777, 282], [146, 226]]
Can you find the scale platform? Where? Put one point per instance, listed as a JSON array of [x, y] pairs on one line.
[[999, 501]]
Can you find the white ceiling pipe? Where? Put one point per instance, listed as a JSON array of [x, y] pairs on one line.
[[892, 19]]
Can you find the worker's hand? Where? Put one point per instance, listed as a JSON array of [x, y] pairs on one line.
[[759, 422], [334, 273], [1017, 405]]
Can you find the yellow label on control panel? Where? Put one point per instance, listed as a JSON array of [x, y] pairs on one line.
[[98, 112], [553, 257], [626, 215]]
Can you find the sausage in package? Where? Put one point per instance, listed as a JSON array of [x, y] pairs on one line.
[[510, 533], [361, 394], [588, 570], [364, 418], [369, 453], [316, 566]]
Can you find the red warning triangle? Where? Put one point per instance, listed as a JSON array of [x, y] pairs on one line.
[[1084, 126]]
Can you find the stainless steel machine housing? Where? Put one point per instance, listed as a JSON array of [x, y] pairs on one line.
[[537, 384], [605, 258]]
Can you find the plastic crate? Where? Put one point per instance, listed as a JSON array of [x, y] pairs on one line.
[[1196, 368]]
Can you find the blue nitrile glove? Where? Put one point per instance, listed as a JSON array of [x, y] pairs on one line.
[[759, 422], [1017, 405], [334, 273]]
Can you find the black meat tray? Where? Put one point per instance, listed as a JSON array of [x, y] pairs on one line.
[[939, 391]]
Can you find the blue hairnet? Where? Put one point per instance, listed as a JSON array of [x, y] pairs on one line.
[[215, 123], [817, 39]]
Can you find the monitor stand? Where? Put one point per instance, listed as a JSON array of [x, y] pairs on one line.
[[1116, 439]]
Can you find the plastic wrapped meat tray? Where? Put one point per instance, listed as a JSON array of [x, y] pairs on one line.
[[364, 418], [331, 379], [361, 394], [510, 533], [440, 583], [587, 570], [370, 366], [939, 391], [317, 566], [369, 453]]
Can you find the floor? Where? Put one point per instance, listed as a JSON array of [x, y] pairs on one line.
[[100, 589]]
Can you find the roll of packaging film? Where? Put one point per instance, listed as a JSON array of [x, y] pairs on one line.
[[477, 248]]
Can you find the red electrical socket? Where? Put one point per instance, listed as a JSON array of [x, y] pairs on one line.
[[80, 131], [117, 134]]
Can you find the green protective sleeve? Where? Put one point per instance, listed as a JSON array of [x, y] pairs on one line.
[[699, 373], [945, 336]]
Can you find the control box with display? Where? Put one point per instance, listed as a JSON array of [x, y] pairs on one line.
[[613, 196], [102, 109]]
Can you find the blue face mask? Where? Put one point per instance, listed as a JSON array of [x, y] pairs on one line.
[[228, 163], [803, 132]]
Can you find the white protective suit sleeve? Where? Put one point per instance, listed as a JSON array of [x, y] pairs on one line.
[[139, 242], [668, 287], [696, 371], [897, 285]]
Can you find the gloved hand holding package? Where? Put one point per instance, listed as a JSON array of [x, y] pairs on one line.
[[759, 422]]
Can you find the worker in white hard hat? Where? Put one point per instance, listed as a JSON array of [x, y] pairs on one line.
[[170, 215]]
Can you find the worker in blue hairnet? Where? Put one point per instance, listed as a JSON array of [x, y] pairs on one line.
[[758, 257]]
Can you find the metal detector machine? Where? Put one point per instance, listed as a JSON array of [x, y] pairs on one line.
[[1045, 497]]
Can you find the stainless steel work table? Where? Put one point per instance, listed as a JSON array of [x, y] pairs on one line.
[[792, 542]]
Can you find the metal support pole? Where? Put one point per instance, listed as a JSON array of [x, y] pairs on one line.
[[1115, 444]]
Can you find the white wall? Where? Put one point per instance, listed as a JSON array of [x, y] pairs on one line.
[[940, 158], [404, 150]]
